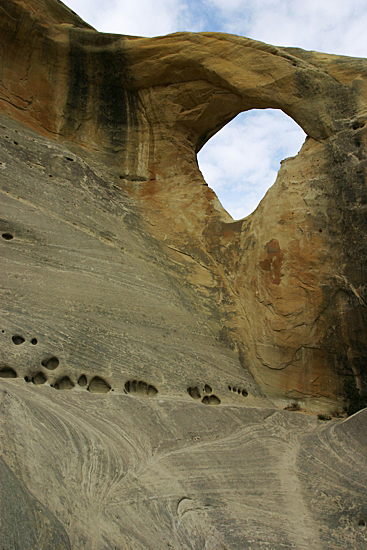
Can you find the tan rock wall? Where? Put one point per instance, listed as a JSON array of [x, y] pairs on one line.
[[131, 300], [289, 279]]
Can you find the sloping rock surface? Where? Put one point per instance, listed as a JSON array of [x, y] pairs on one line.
[[127, 472], [290, 279], [147, 337]]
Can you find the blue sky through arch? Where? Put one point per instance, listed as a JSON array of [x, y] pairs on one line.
[[242, 160]]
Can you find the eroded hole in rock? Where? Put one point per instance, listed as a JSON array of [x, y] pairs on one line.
[[211, 400], [39, 378], [324, 417], [194, 392], [17, 339], [152, 390], [362, 523], [34, 341], [207, 389], [26, 378], [7, 372], [69, 158], [51, 363], [238, 391], [141, 388], [82, 381], [241, 161], [294, 406], [98, 385], [7, 236], [358, 125], [64, 384]]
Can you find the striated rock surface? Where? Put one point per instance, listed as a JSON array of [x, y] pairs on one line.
[[132, 300]]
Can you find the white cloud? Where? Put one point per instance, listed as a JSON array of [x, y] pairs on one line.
[[137, 18], [241, 161], [310, 24], [353, 40]]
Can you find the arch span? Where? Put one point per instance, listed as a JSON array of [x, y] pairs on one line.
[[144, 107]]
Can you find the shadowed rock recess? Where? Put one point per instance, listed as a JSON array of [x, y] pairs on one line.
[[149, 342]]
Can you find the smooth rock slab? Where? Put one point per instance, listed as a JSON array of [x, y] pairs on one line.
[[129, 472]]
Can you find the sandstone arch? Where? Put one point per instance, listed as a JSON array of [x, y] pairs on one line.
[[125, 266], [292, 277]]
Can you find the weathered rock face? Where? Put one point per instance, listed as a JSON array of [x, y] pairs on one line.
[[129, 286], [291, 277]]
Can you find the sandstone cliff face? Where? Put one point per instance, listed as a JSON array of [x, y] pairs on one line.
[[129, 286], [290, 279]]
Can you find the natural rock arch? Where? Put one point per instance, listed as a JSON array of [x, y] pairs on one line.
[[291, 278], [126, 278]]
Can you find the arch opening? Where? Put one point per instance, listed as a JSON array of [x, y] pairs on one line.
[[241, 161]]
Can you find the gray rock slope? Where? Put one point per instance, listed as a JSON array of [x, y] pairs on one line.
[[109, 360]]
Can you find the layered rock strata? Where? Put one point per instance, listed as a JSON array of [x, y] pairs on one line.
[[147, 337], [289, 279]]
